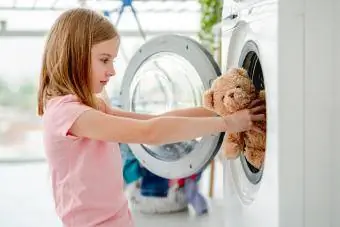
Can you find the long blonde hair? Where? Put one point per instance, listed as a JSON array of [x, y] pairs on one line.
[[66, 65]]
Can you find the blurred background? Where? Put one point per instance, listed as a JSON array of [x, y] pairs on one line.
[[23, 28]]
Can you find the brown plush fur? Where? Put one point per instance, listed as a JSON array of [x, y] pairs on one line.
[[229, 93]]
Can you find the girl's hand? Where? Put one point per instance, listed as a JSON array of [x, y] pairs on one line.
[[243, 120]]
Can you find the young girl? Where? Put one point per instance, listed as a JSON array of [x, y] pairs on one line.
[[81, 132]]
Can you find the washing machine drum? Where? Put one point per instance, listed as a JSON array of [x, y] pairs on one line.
[[167, 73]]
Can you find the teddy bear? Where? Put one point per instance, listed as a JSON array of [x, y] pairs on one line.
[[231, 92]]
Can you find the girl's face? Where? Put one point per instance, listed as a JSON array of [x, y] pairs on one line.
[[102, 68]]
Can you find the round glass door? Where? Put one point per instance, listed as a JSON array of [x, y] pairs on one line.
[[158, 87], [161, 77]]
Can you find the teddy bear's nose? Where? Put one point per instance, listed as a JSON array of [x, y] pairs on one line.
[[231, 95]]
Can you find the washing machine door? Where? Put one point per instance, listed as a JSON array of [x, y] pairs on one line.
[[167, 73]]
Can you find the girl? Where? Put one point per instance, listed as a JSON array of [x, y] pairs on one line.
[[81, 132]]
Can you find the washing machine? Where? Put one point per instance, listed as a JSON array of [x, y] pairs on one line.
[[289, 48]]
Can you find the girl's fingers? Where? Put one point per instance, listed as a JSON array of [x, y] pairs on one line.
[[256, 102], [258, 109], [258, 117]]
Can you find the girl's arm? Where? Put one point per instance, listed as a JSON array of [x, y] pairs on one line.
[[97, 125], [100, 126]]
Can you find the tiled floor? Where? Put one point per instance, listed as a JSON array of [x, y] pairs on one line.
[[25, 201]]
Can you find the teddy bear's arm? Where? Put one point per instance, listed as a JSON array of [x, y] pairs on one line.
[[208, 99], [233, 145], [235, 138]]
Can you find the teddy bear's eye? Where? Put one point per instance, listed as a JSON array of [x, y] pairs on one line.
[[238, 86]]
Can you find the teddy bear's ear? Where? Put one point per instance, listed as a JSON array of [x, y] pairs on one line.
[[238, 71], [208, 99], [242, 72]]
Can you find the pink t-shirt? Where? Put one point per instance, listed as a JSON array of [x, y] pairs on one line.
[[86, 174]]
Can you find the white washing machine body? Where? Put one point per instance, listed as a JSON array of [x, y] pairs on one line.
[[298, 52], [290, 49]]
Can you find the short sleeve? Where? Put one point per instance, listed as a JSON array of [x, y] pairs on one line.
[[62, 112]]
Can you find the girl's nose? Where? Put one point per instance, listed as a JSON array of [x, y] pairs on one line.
[[111, 73]]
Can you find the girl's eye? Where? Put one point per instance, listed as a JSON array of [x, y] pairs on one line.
[[105, 61]]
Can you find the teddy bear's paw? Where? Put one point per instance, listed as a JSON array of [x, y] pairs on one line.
[[254, 157], [231, 150]]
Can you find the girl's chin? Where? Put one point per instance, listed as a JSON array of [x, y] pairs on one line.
[[99, 89]]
